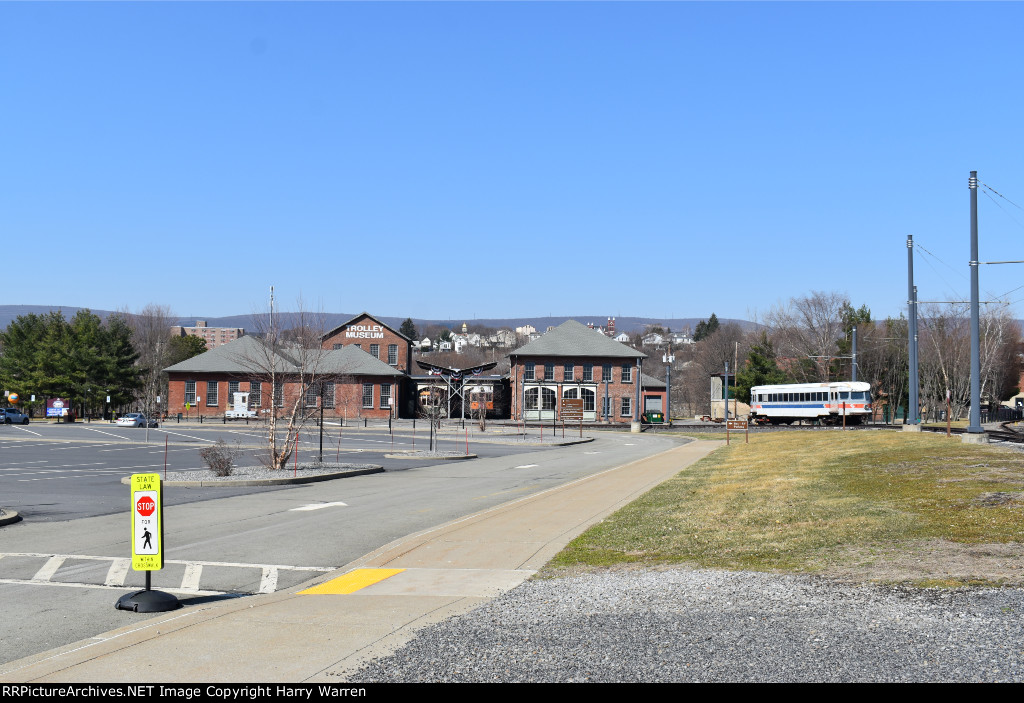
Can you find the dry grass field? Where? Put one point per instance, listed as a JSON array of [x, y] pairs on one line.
[[883, 506]]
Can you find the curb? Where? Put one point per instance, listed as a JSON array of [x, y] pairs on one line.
[[417, 457], [237, 483]]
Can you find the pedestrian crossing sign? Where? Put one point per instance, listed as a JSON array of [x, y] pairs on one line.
[[147, 523]]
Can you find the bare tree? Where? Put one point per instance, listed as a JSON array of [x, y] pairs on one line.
[[945, 356], [151, 336], [293, 367], [882, 361], [806, 331]]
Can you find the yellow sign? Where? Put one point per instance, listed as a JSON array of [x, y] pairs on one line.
[[147, 523]]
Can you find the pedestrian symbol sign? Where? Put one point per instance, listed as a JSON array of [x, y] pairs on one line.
[[147, 525]]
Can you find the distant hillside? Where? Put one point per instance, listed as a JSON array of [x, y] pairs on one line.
[[8, 313]]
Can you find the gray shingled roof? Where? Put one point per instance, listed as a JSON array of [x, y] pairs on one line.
[[574, 339], [249, 354], [648, 381]]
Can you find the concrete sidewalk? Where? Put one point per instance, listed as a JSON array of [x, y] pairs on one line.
[[365, 610]]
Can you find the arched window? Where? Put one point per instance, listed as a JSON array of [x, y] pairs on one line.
[[548, 399], [589, 400], [530, 402]]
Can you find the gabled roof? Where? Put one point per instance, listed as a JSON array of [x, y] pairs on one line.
[[359, 317], [574, 339], [250, 355], [651, 382], [351, 360]]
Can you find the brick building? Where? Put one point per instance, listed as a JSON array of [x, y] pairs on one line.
[[353, 384], [213, 336], [375, 338], [575, 361]]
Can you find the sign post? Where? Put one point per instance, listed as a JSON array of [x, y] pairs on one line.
[[572, 409], [737, 425], [147, 546]]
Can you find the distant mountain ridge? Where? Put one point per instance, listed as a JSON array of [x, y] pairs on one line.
[[8, 313]]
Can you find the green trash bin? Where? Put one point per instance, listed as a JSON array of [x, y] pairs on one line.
[[653, 418]]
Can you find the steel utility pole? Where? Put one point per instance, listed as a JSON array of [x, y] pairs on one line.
[[975, 417], [914, 384], [853, 364]]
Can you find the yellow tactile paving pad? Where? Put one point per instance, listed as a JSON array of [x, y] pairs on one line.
[[352, 581]]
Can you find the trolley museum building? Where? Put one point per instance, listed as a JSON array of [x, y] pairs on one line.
[[344, 377], [573, 361]]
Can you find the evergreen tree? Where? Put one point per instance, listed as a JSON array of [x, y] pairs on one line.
[[705, 328], [49, 357], [760, 369], [182, 348], [408, 328], [843, 368]]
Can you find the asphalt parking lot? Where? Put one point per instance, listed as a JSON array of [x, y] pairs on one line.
[[54, 471]]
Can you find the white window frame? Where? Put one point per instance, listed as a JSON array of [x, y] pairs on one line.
[[368, 403]]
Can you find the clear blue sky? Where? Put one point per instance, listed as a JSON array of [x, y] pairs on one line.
[[460, 160]]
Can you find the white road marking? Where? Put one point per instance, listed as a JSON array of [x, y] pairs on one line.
[[268, 581], [29, 431], [109, 434], [49, 569], [190, 579], [317, 506], [525, 466], [119, 569], [117, 572], [187, 436]]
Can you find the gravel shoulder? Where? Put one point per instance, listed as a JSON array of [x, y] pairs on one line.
[[680, 625]]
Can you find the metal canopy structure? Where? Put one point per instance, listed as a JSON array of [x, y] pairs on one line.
[[455, 379]]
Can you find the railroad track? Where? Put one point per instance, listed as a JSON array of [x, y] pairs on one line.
[[1006, 434]]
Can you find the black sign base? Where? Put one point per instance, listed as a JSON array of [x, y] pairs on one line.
[[147, 601]]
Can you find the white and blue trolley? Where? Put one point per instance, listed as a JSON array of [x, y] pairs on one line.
[[825, 403]]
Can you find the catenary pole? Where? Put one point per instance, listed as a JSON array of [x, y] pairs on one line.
[[912, 404], [975, 417]]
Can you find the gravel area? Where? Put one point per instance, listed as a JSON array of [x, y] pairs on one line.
[[687, 625], [261, 472]]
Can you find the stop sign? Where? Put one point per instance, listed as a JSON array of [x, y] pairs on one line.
[[145, 506]]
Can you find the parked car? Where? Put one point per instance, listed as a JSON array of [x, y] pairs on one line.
[[135, 420], [13, 416]]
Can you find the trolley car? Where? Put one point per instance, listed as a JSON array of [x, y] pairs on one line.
[[827, 403]]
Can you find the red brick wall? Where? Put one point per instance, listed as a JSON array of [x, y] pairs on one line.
[[348, 396], [369, 332], [617, 389]]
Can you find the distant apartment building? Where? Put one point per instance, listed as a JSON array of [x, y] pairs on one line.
[[213, 336]]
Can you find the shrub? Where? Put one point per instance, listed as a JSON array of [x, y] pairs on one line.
[[219, 457]]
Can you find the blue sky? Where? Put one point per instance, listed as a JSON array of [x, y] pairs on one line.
[[460, 160]]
